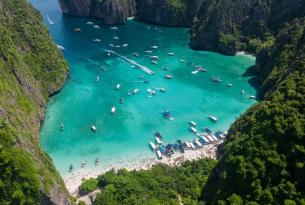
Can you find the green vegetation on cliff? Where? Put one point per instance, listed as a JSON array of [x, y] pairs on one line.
[[31, 68], [160, 185]]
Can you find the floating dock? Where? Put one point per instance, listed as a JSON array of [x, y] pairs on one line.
[[132, 62]]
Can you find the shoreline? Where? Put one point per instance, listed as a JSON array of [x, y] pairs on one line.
[[74, 179]]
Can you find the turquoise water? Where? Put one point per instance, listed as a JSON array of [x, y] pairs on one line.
[[84, 102]]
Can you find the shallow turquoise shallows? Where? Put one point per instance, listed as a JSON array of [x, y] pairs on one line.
[[83, 102]]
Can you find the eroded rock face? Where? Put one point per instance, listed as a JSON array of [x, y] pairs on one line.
[[226, 25], [168, 12], [109, 11]]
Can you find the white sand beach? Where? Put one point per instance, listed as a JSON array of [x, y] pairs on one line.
[[74, 179]]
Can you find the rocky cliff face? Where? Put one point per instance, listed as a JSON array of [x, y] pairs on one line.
[[226, 26], [109, 11], [168, 12], [31, 68]]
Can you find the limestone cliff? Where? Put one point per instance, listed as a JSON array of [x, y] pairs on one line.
[[227, 26], [31, 68], [168, 12], [109, 11]]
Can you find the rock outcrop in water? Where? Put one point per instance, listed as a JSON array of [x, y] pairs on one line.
[[31, 68], [109, 11], [169, 12]]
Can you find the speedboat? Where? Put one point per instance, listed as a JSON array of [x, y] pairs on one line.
[[97, 78], [77, 30], [125, 45], [114, 28], [113, 110], [182, 61], [171, 54], [154, 47], [83, 164], [213, 118], [168, 76], [93, 128], [96, 26], [89, 23], [193, 123], [216, 80], [154, 57], [60, 47], [230, 85], [116, 38], [242, 92], [167, 115], [62, 127], [135, 91], [157, 134], [195, 72], [153, 146], [148, 51], [194, 130], [201, 69], [162, 90], [118, 86], [252, 97], [136, 54], [96, 40], [70, 168], [154, 62]]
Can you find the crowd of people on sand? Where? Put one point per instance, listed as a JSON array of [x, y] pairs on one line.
[[75, 178]]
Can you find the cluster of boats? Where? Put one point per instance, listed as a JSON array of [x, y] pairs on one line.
[[83, 164], [206, 137]]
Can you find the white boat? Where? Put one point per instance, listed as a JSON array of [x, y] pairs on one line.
[[210, 138], [230, 85], [216, 80], [198, 143], [93, 128], [154, 62], [252, 97], [195, 72], [130, 18], [148, 51], [182, 61], [171, 54], [193, 123], [213, 136], [192, 145], [116, 38], [242, 92], [162, 90], [154, 47], [50, 21], [96, 40], [77, 30], [89, 23], [114, 28], [118, 46], [201, 69], [135, 54], [194, 130], [118, 86], [158, 140], [213, 118], [153, 146], [62, 127], [159, 155], [154, 57], [125, 45], [111, 45], [97, 78], [205, 139], [83, 164], [97, 27], [168, 76], [60, 47], [135, 91], [113, 110]]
